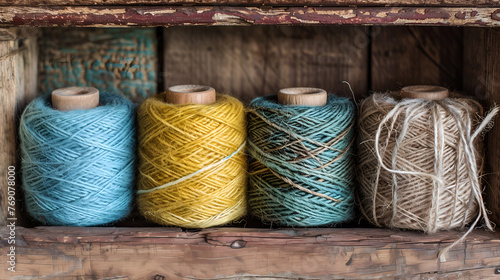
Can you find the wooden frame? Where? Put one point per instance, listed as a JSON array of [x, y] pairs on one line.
[[231, 253], [228, 15], [239, 253], [340, 3]]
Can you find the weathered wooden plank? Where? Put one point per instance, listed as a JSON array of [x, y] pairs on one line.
[[426, 3], [248, 62], [18, 74], [121, 60], [227, 15], [8, 52], [403, 56], [230, 253], [482, 72]]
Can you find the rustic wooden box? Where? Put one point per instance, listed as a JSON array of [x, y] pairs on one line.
[[375, 45]]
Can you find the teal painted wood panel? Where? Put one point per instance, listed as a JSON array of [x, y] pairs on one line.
[[121, 60]]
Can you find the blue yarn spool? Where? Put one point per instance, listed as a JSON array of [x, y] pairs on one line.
[[301, 146], [78, 166]]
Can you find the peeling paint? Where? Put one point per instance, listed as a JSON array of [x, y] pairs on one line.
[[345, 13], [496, 15], [158, 12], [228, 19], [305, 20], [227, 15], [346, 3], [460, 15]]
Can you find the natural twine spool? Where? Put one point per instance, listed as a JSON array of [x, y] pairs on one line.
[[192, 165], [420, 160], [77, 157], [302, 167]]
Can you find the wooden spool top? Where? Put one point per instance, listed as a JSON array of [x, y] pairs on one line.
[[190, 94], [425, 92], [75, 98], [302, 96]]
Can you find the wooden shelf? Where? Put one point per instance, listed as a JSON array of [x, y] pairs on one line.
[[229, 253], [229, 15], [370, 3]]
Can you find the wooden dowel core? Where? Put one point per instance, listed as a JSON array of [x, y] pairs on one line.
[[302, 96], [190, 94], [75, 98], [425, 92]]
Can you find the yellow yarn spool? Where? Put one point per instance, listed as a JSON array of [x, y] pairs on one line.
[[192, 165]]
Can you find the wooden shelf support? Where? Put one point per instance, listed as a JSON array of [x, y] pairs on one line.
[[236, 15]]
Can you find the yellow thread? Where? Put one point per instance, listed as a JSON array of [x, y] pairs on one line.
[[176, 141]]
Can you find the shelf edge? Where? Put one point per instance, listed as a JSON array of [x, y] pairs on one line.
[[226, 15]]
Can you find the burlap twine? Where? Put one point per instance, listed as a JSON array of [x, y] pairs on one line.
[[420, 163]]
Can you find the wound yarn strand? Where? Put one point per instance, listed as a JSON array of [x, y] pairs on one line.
[[187, 177], [302, 167], [420, 163], [192, 162], [78, 166]]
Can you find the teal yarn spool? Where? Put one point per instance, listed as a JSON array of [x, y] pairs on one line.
[[78, 166], [302, 169]]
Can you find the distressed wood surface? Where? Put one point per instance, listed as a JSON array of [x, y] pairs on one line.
[[403, 56], [121, 60], [463, 3], [482, 72], [14, 33], [226, 15], [18, 82], [230, 253], [8, 55], [248, 62]]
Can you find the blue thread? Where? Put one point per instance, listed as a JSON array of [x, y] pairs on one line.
[[278, 149], [78, 166]]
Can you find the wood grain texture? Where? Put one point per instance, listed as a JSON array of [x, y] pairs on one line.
[[404, 56], [121, 60], [482, 72], [8, 55], [440, 3], [230, 253], [248, 62], [18, 82], [237, 15]]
